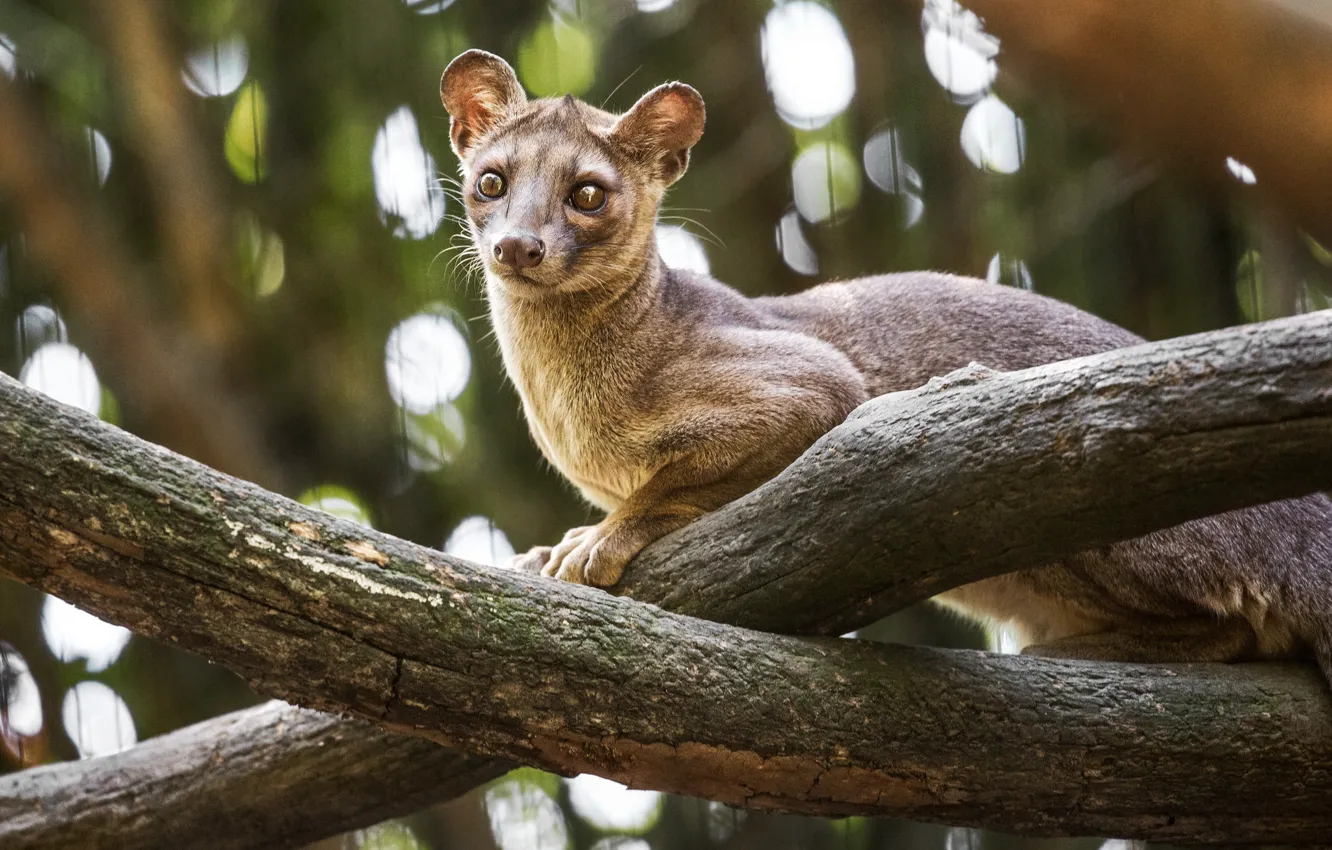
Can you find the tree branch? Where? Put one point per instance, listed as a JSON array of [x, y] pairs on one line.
[[975, 476], [571, 679], [198, 787]]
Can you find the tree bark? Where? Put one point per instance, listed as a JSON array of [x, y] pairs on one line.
[[320, 611], [244, 780]]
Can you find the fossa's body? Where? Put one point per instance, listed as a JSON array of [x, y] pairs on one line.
[[663, 394]]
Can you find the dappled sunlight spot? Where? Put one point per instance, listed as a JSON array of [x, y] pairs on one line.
[[64, 373], [891, 173], [993, 137], [619, 842], [37, 325], [20, 700], [477, 539], [723, 821], [405, 178], [73, 634], [611, 807], [557, 58], [913, 209], [390, 835], [962, 838], [246, 134], [884, 164], [1240, 171], [217, 69], [1122, 844], [681, 249], [428, 7], [427, 362], [826, 181], [654, 5], [8, 61], [807, 62], [262, 256], [795, 249], [99, 151], [434, 438], [97, 720], [524, 816], [959, 53], [1009, 271], [1004, 640], [337, 501]]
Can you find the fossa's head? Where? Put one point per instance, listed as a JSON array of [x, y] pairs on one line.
[[562, 196]]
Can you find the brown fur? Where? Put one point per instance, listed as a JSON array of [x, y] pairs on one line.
[[663, 394]]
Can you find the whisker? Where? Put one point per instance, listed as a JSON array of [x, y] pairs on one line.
[[620, 86], [707, 235]]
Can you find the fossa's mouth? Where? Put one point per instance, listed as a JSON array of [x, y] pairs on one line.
[[520, 279]]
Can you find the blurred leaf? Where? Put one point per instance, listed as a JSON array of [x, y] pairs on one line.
[[559, 57], [246, 133]]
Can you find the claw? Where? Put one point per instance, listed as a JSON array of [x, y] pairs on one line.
[[533, 561]]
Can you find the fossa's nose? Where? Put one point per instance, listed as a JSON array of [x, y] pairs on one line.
[[520, 252]]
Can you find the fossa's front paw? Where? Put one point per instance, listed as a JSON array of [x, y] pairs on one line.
[[533, 561], [590, 554]]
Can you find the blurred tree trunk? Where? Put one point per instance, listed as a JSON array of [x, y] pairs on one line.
[[1196, 80]]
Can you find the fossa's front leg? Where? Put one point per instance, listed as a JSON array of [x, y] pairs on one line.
[[722, 453], [599, 553]]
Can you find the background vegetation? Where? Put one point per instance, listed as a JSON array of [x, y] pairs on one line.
[[291, 310]]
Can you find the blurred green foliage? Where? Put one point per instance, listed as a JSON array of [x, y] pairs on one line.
[[327, 266]]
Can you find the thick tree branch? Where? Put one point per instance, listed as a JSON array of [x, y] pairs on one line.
[[572, 679], [184, 185], [977, 475], [244, 780]]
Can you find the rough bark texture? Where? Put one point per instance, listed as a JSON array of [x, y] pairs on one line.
[[335, 616], [244, 780]]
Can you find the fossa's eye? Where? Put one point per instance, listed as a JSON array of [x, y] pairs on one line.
[[490, 185], [588, 197]]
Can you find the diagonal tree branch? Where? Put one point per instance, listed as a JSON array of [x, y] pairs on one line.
[[981, 473], [244, 780], [571, 679]]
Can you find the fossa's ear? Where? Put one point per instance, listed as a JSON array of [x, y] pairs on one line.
[[479, 90], [662, 127]]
